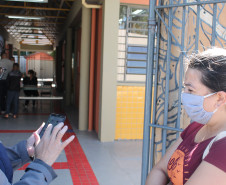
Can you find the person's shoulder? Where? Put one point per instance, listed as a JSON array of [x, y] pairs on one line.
[[217, 153], [5, 60], [25, 78], [11, 73], [221, 143], [2, 62], [18, 73]]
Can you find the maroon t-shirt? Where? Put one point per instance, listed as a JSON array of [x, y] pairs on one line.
[[188, 155]]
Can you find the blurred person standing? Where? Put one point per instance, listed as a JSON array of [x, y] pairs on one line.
[[12, 59], [13, 84], [31, 81], [6, 66]]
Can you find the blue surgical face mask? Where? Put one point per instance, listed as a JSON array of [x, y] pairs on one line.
[[193, 105]]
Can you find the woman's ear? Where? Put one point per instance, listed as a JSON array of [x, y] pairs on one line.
[[221, 98]]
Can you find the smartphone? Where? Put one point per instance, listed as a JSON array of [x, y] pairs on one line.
[[54, 119]]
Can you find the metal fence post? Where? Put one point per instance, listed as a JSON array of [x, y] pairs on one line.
[[148, 91]]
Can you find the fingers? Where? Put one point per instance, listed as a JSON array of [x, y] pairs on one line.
[[37, 138], [48, 131], [65, 143], [31, 151], [40, 128], [56, 129], [61, 133]]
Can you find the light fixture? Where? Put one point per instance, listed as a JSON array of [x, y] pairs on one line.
[[24, 17], [37, 41], [29, 43], [30, 27], [29, 37], [33, 38], [32, 34], [31, 1]]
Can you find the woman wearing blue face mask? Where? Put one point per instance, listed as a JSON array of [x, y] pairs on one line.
[[204, 100]]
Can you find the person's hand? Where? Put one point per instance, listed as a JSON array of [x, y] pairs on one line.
[[33, 141], [50, 146]]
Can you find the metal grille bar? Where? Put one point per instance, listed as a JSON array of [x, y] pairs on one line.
[[148, 92], [190, 4]]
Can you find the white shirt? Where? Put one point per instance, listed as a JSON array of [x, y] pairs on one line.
[[8, 65]]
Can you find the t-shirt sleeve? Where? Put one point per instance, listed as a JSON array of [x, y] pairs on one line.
[[217, 154], [190, 128]]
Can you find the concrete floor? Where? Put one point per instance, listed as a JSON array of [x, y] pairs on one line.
[[113, 163]]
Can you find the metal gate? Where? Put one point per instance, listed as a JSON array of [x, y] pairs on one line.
[[176, 28]]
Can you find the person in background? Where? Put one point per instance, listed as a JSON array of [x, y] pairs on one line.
[[30, 80], [6, 66], [204, 100], [12, 59], [13, 84]]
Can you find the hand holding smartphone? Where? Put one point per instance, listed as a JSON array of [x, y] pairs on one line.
[[53, 119], [49, 148]]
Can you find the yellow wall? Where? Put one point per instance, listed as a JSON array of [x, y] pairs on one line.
[[130, 112]]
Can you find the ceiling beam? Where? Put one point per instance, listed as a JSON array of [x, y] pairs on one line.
[[68, 4], [34, 8], [75, 9], [10, 23], [44, 16], [61, 4], [21, 31]]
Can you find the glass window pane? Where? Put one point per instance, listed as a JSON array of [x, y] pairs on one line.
[[136, 64], [137, 56], [136, 71], [122, 17], [138, 11], [136, 49]]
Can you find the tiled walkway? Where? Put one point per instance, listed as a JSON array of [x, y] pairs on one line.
[[86, 160]]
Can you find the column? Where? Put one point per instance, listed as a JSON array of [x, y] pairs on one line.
[[68, 63], [18, 55], [108, 89], [84, 69]]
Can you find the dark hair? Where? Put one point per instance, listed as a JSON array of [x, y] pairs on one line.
[[31, 72], [16, 65], [212, 64], [3, 53]]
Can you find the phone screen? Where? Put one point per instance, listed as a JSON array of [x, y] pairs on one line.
[[54, 119]]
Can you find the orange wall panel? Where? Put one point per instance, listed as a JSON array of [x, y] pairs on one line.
[[39, 56], [141, 2]]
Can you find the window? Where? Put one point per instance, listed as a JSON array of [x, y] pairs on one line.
[[132, 44]]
